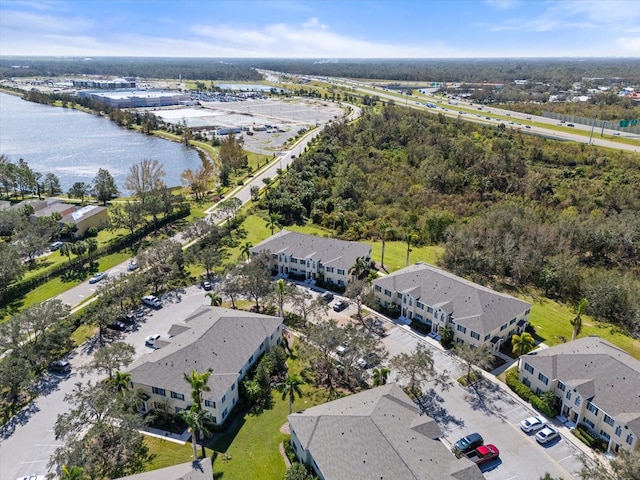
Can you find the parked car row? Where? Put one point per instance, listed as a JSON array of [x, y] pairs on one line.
[[472, 446], [545, 433]]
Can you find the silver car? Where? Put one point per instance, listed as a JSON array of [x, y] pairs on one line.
[[532, 424]]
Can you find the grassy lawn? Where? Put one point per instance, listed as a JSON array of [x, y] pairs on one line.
[[551, 321], [395, 254]]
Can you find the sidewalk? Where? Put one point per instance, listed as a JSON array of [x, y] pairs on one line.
[[172, 437]]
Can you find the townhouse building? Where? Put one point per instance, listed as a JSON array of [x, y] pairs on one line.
[[313, 257], [595, 383], [226, 341], [476, 314]]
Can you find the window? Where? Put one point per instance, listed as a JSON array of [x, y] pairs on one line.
[[487, 337], [340, 271], [398, 295], [159, 391], [377, 288], [538, 391], [294, 260], [177, 396], [629, 439], [387, 292], [592, 408], [608, 420], [224, 414], [561, 386], [223, 399], [250, 360], [526, 382], [503, 327], [577, 401], [210, 404], [589, 422], [512, 321], [475, 335], [410, 301], [420, 305], [262, 346], [568, 395], [527, 312], [213, 419], [605, 435], [618, 430], [543, 378], [429, 310], [528, 368], [329, 269], [462, 329], [233, 387]]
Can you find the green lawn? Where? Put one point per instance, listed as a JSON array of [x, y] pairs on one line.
[[551, 321]]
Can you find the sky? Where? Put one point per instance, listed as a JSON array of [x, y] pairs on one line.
[[321, 29]]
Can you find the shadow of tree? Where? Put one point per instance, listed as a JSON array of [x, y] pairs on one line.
[[432, 404], [19, 419], [487, 397]]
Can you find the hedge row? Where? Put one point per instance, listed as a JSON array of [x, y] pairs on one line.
[[524, 392], [21, 288]]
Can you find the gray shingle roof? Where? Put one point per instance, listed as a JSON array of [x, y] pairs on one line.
[[200, 470], [599, 371], [328, 251], [379, 434], [211, 337], [472, 305]]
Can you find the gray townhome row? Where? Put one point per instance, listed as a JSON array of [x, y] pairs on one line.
[[476, 314], [226, 341], [313, 257], [375, 434], [196, 470], [596, 384]]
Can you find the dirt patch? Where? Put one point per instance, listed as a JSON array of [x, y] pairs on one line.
[[285, 429]]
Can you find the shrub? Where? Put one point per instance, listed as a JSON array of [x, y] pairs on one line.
[[542, 406], [91, 232], [517, 386], [419, 326]]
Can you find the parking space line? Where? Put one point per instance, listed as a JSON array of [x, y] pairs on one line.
[[35, 461], [565, 458]]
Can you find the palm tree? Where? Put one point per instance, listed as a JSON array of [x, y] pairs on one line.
[[358, 268], [65, 249], [73, 473], [120, 382], [194, 419], [215, 298], [290, 387], [522, 344], [576, 323], [246, 249], [409, 237], [387, 233], [198, 382], [380, 376], [280, 289], [273, 222]]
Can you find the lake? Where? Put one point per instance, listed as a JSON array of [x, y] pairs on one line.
[[74, 145]]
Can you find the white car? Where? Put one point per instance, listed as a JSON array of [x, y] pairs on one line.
[[532, 424], [151, 301], [151, 339], [33, 477], [132, 265], [547, 434]]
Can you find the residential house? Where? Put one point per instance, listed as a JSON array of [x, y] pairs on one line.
[[46, 207], [226, 341], [85, 218], [596, 384], [377, 433], [197, 470], [313, 257], [476, 314]]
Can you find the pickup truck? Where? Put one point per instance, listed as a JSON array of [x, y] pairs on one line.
[[483, 454]]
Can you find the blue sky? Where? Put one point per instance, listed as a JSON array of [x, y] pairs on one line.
[[321, 29]]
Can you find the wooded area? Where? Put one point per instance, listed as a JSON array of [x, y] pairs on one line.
[[512, 210]]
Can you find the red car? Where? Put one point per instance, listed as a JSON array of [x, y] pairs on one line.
[[483, 454]]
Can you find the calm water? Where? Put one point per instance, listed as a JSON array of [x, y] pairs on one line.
[[73, 144]]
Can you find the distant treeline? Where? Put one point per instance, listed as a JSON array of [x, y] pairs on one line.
[[548, 70], [169, 68], [460, 70]]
